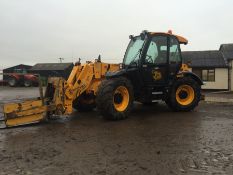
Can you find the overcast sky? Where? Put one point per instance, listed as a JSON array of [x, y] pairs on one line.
[[33, 31]]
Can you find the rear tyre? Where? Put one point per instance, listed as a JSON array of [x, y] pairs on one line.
[[12, 82], [184, 95], [27, 83], [114, 98], [84, 103]]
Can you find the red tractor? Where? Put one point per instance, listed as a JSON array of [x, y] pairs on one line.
[[22, 79]]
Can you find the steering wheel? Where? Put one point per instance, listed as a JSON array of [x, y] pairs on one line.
[[150, 60]]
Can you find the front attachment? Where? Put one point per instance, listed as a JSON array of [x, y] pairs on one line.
[[22, 113], [29, 111], [2, 121]]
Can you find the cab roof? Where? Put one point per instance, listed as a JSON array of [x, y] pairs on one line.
[[181, 39]]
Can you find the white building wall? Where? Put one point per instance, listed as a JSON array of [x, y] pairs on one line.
[[1, 76], [231, 75], [221, 80]]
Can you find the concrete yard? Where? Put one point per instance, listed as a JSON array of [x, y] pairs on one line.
[[153, 140]]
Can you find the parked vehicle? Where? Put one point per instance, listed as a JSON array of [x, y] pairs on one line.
[[22, 78]]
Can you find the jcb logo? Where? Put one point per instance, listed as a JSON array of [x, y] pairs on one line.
[[156, 75]]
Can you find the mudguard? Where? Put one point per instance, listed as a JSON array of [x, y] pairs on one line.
[[191, 74], [115, 74]]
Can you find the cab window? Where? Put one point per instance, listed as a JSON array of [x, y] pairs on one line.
[[157, 51], [174, 55]]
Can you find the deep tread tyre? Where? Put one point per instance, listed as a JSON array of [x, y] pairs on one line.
[[173, 99], [12, 82], [27, 83], [84, 104], [106, 98]]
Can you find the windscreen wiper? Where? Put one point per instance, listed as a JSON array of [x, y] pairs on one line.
[[134, 58]]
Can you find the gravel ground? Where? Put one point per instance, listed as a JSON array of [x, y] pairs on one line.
[[154, 140]]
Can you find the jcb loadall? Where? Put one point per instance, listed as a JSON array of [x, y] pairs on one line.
[[152, 70]]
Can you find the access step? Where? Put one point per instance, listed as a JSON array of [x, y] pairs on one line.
[[157, 93]]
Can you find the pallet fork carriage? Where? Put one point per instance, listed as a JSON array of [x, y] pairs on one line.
[[152, 70]]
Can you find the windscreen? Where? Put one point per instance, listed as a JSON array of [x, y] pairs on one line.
[[133, 50]]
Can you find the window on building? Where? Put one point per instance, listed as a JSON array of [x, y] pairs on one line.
[[205, 74], [198, 72], [208, 75]]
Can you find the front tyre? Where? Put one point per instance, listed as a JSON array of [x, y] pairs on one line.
[[114, 98], [27, 83], [185, 94], [12, 82]]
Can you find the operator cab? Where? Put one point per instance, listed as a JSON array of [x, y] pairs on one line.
[[151, 71], [157, 57], [152, 60]]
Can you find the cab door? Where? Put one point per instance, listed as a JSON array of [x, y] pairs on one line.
[[155, 64], [175, 60]]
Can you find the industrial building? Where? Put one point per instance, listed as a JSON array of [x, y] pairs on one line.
[[52, 69]]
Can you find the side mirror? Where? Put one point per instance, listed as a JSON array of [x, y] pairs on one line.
[[132, 37]]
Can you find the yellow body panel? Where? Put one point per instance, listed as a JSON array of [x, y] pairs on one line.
[[17, 107], [31, 111], [27, 112], [98, 70], [24, 120], [94, 86], [184, 68]]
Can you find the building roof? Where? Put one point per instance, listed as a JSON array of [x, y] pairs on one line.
[[51, 66], [205, 59], [19, 66], [227, 50]]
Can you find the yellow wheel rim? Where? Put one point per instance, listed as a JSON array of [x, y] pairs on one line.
[[185, 95], [121, 98]]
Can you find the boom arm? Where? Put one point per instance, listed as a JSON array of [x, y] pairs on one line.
[[85, 78]]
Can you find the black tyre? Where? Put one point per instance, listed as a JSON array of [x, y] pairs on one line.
[[185, 94], [27, 83], [114, 98], [12, 82], [84, 103]]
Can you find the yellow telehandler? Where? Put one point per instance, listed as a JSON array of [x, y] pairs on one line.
[[152, 70]]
